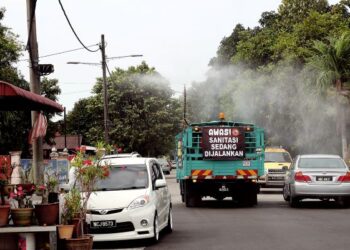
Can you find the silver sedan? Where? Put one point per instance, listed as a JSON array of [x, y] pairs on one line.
[[317, 176]]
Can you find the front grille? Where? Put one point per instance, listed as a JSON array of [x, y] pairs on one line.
[[99, 212], [277, 171], [120, 228]]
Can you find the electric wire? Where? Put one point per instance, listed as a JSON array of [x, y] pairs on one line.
[[62, 52], [70, 25]]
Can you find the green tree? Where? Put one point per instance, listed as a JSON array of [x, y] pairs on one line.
[[331, 61], [15, 126], [143, 115]]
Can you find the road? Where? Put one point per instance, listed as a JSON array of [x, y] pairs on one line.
[[271, 225]]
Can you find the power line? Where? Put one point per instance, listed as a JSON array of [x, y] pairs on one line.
[[70, 25], [62, 52]]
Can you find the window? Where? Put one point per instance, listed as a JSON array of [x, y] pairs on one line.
[[277, 157], [125, 177], [321, 163]]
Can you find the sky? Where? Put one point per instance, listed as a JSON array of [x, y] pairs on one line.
[[178, 38]]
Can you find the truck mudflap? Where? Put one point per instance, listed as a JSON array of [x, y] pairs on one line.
[[208, 174]]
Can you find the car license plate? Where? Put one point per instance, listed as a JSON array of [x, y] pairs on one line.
[[103, 224], [276, 178], [323, 178]]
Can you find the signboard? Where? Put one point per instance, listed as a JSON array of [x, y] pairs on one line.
[[223, 143]]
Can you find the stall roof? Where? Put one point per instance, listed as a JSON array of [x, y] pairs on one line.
[[15, 98]]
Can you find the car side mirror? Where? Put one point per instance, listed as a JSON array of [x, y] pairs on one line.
[[160, 183]]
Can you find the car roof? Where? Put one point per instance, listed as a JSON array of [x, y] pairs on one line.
[[126, 160], [123, 155], [275, 149], [319, 156]]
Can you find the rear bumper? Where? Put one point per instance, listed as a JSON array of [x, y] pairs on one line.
[[316, 190]]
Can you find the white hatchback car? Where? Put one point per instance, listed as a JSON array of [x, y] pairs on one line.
[[132, 203]]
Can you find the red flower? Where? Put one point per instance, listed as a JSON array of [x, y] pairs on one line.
[[87, 162]]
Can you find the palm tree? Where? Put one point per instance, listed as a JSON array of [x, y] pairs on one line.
[[331, 60]]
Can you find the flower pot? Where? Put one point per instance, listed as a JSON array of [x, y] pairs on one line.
[[22, 216], [79, 225], [65, 231], [47, 214], [83, 243], [4, 215]]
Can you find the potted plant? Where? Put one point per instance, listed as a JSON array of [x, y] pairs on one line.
[[87, 172], [69, 219], [22, 205], [5, 175], [47, 212]]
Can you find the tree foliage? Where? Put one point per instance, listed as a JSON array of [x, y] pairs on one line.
[[261, 75], [143, 115], [15, 126]]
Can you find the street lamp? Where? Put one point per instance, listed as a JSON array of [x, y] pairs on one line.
[[105, 95]]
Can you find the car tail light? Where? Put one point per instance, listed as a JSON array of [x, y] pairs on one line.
[[344, 178], [300, 177]]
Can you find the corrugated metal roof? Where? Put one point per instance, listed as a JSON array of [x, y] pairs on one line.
[[15, 98]]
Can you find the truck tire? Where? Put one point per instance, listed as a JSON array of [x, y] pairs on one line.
[[252, 196], [182, 190], [247, 195], [192, 199]]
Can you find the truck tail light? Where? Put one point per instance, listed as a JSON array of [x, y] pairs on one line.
[[300, 177], [344, 178]]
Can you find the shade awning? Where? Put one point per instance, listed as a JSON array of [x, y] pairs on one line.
[[15, 98]]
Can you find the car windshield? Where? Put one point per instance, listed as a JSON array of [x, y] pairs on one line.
[[123, 177], [321, 163], [277, 157]]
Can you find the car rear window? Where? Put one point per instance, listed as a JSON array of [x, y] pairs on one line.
[[321, 163], [124, 177]]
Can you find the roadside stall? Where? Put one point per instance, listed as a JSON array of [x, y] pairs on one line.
[[13, 98]]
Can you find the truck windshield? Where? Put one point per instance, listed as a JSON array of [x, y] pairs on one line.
[[277, 157], [124, 177]]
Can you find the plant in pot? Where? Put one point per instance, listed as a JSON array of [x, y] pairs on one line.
[[47, 212], [88, 172], [22, 205], [70, 214], [5, 175]]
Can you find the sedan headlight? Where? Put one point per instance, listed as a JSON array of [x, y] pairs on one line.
[[139, 202]]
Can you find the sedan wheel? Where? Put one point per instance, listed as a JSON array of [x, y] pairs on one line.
[[169, 226], [293, 201], [286, 196]]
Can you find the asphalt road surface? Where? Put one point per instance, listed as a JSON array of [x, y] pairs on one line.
[[271, 225]]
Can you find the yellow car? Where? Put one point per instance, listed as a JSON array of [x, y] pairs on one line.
[[277, 162]]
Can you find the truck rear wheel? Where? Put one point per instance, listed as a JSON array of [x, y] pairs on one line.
[[192, 198], [247, 194]]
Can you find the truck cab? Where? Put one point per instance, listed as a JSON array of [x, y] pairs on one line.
[[277, 162]]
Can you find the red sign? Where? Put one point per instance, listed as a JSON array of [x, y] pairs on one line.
[[223, 143]]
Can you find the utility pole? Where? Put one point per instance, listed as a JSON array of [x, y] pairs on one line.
[[105, 94], [37, 146]]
